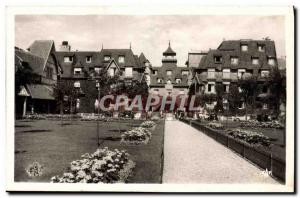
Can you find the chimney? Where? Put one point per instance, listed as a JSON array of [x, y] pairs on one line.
[[65, 47]]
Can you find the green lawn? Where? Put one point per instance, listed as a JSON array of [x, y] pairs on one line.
[[54, 146]]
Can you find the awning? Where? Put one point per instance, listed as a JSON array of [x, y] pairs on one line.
[[23, 92], [38, 91]]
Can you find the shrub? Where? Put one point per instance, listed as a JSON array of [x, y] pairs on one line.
[[34, 117], [137, 135], [103, 166], [148, 124], [250, 137], [215, 125], [256, 124]]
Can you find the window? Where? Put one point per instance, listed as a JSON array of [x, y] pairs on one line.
[[77, 70], [184, 72], [218, 59], [169, 82], [77, 84], [265, 73], [211, 73], [226, 73], [241, 105], [106, 58], [261, 48], [112, 71], [169, 72], [159, 80], [154, 72], [68, 59], [128, 72], [121, 59], [226, 87], [271, 61], [265, 106], [244, 47], [88, 59], [211, 87], [255, 60], [241, 72], [234, 60], [49, 72], [264, 89], [97, 70], [178, 80]]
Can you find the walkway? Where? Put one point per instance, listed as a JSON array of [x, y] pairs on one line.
[[192, 157]]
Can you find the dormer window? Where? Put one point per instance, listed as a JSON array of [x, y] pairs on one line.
[[178, 80], [169, 72], [234, 60], [121, 59], [159, 80], [261, 48], [77, 84], [265, 73], [88, 59], [271, 61], [68, 59], [77, 71], [255, 60], [106, 58], [218, 59], [97, 70], [244, 47], [184, 72]]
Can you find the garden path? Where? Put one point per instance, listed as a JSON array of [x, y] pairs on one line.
[[192, 157]]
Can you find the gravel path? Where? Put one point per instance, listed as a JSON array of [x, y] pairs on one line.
[[192, 157]]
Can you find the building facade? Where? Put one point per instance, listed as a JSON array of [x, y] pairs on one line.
[[37, 96], [169, 79], [231, 61], [82, 69]]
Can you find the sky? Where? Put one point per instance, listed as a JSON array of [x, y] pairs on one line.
[[148, 34]]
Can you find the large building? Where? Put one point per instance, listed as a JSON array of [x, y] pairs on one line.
[[37, 96], [82, 67], [232, 60], [169, 79]]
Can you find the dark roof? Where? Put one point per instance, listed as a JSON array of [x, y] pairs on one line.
[[229, 49], [169, 51], [79, 58], [176, 73], [39, 91], [35, 62], [41, 48]]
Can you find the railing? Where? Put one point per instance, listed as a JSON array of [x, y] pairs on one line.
[[263, 159]]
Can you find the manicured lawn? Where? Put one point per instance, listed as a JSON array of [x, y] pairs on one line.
[[54, 146]]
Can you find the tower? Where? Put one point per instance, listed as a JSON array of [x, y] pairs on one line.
[[169, 57]]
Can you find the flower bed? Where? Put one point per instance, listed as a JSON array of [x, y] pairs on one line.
[[148, 124], [215, 125], [137, 135], [250, 137], [256, 124], [103, 166]]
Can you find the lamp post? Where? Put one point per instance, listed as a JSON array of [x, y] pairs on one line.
[[98, 111]]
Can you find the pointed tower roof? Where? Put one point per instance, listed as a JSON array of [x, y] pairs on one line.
[[142, 58], [169, 51]]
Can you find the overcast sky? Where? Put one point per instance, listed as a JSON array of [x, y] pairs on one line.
[[148, 34]]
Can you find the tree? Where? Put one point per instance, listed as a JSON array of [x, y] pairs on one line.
[[277, 85], [249, 87], [65, 90], [234, 98], [219, 99], [23, 75]]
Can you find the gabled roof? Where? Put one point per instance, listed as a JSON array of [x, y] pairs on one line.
[[35, 62]]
